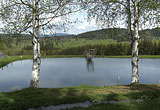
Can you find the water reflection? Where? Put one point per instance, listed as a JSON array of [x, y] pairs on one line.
[[118, 80], [90, 65], [62, 72], [15, 76]]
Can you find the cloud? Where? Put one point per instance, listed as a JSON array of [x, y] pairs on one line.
[[81, 27], [85, 25], [59, 19]]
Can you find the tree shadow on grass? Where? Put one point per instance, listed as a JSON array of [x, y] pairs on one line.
[[149, 93], [34, 98], [142, 91]]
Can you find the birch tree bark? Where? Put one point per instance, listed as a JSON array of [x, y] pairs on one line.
[[36, 46], [135, 44]]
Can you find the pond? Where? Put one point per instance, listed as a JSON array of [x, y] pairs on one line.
[[62, 72]]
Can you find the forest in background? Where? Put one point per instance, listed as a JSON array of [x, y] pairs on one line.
[[112, 41]]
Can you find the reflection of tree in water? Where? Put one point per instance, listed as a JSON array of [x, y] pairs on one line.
[[90, 66]]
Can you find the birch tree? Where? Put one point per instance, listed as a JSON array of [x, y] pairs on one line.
[[31, 16], [36, 45], [144, 11], [135, 43], [133, 13]]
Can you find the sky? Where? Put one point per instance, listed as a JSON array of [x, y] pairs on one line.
[[82, 25]]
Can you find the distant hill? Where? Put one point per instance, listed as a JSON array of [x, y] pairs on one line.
[[119, 34], [15, 36], [150, 33], [28, 36]]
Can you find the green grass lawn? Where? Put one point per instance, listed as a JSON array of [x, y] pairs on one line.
[[151, 104], [28, 98]]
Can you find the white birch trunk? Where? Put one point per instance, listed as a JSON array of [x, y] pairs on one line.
[[135, 44], [36, 47]]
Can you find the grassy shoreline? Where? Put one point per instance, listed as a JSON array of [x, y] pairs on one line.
[[101, 56], [129, 56], [33, 98], [8, 59]]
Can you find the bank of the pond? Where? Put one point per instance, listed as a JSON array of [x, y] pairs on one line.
[[8, 59], [101, 56], [33, 98], [129, 56]]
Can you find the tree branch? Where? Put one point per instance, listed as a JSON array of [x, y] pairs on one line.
[[51, 18], [22, 2]]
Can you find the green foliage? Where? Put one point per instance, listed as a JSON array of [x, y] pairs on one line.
[[2, 44], [78, 47], [106, 42], [146, 47]]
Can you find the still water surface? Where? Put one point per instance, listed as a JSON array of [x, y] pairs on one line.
[[62, 72]]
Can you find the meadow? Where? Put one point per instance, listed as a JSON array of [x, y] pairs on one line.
[[23, 99]]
